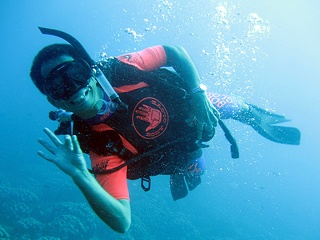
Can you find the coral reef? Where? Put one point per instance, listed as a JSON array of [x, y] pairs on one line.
[[70, 221], [3, 234], [16, 203], [30, 218], [67, 227]]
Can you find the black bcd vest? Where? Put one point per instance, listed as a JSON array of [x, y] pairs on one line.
[[154, 123]]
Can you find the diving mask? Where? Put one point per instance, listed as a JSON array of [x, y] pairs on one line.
[[67, 78]]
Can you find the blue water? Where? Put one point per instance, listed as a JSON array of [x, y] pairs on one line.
[[265, 51]]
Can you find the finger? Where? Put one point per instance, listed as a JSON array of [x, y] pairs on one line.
[[142, 113], [213, 120], [213, 115], [67, 142], [45, 156], [47, 145], [191, 119], [199, 131], [216, 113], [52, 136], [76, 144], [208, 127], [142, 118], [210, 121]]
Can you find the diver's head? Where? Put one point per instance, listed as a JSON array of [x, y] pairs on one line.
[[47, 54], [66, 79]]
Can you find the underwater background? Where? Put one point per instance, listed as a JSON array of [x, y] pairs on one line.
[[266, 51]]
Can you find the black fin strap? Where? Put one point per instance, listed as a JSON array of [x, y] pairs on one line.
[[233, 147]]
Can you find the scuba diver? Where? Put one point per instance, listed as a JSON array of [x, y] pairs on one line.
[[136, 118]]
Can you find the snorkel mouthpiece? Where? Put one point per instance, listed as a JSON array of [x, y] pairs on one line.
[[101, 78]]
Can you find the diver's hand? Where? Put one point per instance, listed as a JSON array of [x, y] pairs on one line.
[[67, 156], [207, 116]]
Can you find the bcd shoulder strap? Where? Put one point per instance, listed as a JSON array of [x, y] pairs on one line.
[[104, 143]]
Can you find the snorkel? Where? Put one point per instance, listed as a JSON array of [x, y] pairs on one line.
[[101, 78]]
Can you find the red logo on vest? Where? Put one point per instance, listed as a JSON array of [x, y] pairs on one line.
[[150, 118]]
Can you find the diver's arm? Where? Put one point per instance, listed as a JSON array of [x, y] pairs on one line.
[[115, 213], [207, 116], [179, 59], [69, 158]]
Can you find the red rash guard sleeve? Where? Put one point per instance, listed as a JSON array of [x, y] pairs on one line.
[[148, 59], [114, 183]]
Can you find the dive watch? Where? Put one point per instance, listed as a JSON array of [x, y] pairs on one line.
[[200, 88]]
